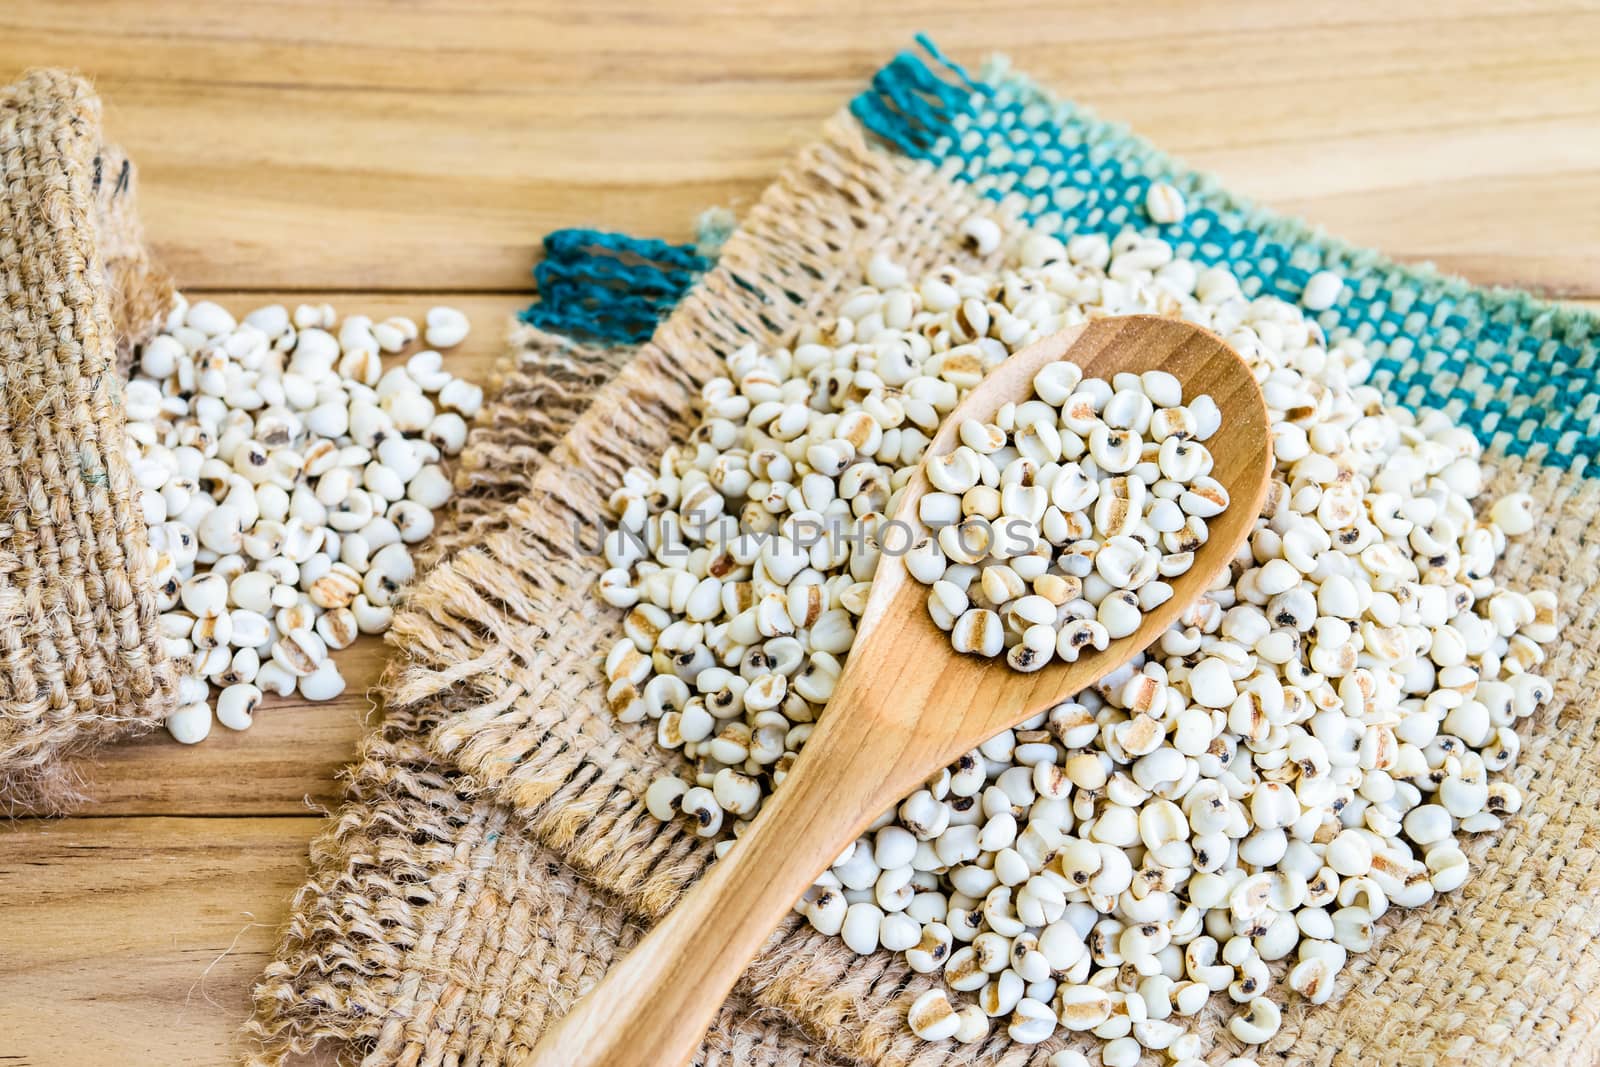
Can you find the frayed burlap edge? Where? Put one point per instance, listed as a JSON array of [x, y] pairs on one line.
[[141, 292], [345, 950], [432, 929], [538, 390], [507, 636], [81, 655]]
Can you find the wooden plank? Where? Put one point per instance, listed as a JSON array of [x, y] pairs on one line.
[[430, 145], [136, 941], [285, 764]]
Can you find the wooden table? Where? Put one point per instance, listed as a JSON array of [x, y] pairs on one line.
[[380, 155]]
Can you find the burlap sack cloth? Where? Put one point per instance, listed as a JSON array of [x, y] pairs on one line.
[[496, 856], [81, 657]]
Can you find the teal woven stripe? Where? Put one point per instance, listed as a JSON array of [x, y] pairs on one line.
[[1518, 371], [610, 287]]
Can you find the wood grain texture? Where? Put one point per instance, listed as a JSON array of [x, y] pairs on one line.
[[135, 941], [379, 153], [429, 145], [877, 742]]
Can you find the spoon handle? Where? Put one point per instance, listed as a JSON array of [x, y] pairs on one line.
[[653, 1008]]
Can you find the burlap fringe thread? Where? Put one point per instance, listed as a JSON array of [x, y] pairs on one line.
[[81, 655], [500, 677], [382, 949]]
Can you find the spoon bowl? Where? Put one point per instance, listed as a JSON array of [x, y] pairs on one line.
[[906, 705]]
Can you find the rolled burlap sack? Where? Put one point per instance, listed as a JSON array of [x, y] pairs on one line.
[[81, 655]]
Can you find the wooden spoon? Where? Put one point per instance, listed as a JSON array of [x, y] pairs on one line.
[[906, 705]]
